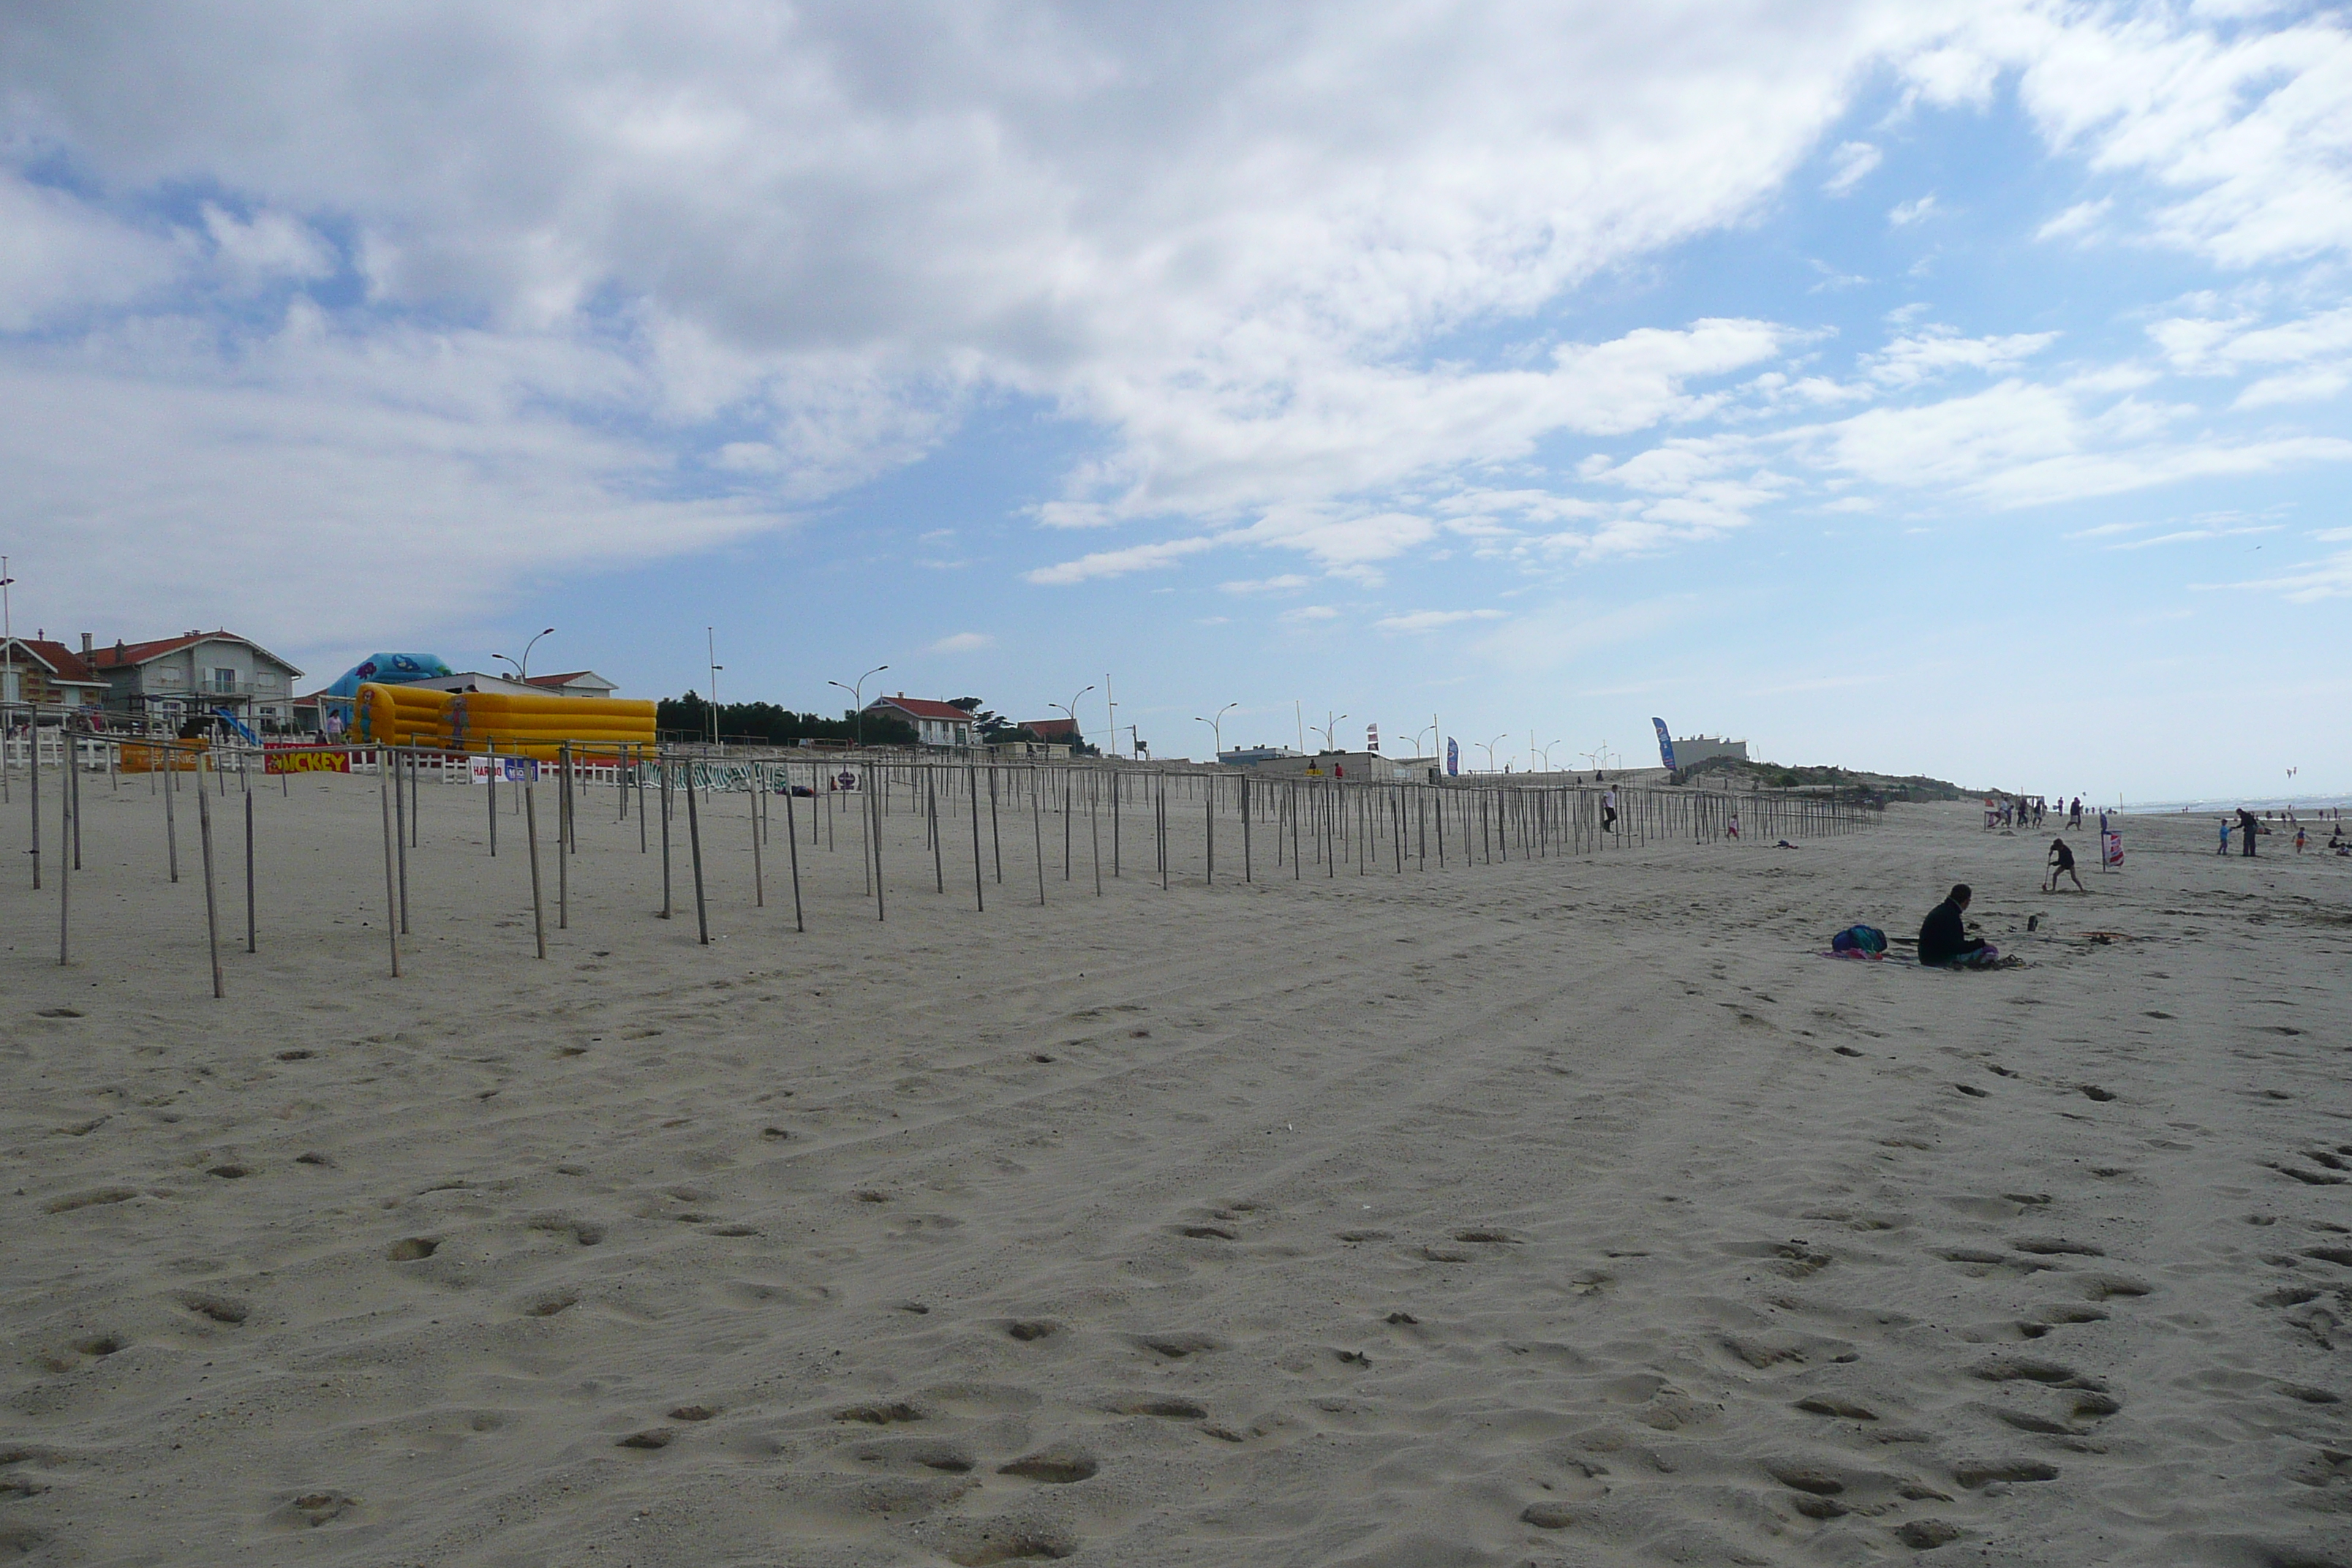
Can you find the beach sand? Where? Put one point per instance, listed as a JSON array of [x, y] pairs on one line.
[[1573, 1211]]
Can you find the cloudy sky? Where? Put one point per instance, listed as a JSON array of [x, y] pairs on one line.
[[1958, 389]]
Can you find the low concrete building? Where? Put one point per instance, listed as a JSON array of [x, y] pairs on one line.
[[1692, 750], [1257, 756], [47, 674], [170, 679], [1358, 767]]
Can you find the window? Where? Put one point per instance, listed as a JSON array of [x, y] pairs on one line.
[[264, 679], [223, 680], [169, 675]]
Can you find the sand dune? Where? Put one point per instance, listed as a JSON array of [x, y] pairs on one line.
[[1571, 1211]]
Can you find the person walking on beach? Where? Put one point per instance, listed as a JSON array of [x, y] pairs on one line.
[[1608, 811], [2061, 864], [2225, 837], [2298, 838], [2248, 826]]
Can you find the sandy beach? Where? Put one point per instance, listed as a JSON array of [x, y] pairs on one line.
[[1557, 1211]]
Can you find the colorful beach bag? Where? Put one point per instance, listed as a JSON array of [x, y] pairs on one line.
[[1859, 939]]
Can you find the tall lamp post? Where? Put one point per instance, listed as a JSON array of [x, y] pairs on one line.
[[1430, 731], [1071, 708], [1217, 729], [711, 638], [8, 642], [1490, 746], [857, 696], [522, 665], [1327, 730]]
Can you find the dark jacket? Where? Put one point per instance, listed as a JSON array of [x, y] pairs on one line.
[[1941, 940]]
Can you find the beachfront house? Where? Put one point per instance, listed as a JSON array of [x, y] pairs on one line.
[[172, 680], [49, 674], [573, 683], [934, 723]]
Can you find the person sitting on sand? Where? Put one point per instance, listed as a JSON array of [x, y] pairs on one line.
[[1944, 944], [2061, 864]]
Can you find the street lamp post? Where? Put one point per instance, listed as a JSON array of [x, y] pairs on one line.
[[1327, 729], [712, 639], [1217, 729], [522, 665], [1490, 746], [1071, 708], [857, 696], [1430, 731]]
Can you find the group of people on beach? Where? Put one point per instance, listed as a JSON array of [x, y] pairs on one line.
[[2249, 828], [2028, 811]]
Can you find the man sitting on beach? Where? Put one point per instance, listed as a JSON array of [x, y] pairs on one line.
[[1943, 943], [2061, 864]]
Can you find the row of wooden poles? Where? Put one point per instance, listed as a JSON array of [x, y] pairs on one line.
[[1367, 826]]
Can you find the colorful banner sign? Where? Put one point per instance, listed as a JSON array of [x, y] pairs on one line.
[[518, 770], [1453, 758], [1372, 736], [2111, 849], [1665, 745], [305, 760]]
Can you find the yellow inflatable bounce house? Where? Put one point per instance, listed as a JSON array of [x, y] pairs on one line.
[[512, 723]]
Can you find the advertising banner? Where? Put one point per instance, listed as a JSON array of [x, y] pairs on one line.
[[1665, 745], [1372, 736], [2111, 847], [518, 770], [1453, 758], [305, 760]]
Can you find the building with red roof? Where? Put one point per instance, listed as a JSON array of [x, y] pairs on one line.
[[47, 674], [934, 723], [170, 680]]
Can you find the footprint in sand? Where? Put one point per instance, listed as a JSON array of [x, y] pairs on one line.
[[219, 1308], [1177, 1346], [1055, 1467]]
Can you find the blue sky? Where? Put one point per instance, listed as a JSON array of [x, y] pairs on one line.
[[1952, 392]]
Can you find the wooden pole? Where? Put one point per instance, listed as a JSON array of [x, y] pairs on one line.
[[212, 900], [1037, 825], [694, 839], [492, 794], [971, 787], [391, 888], [388, 763], [69, 862], [73, 785], [932, 807], [792, 842], [531, 833], [664, 764], [252, 928], [759, 872], [995, 830], [874, 838], [33, 734]]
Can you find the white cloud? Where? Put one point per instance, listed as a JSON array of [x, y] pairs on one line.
[[2076, 222], [59, 256], [716, 263], [1310, 613], [964, 642], [1287, 583], [1909, 360], [1849, 165], [269, 247], [1431, 620]]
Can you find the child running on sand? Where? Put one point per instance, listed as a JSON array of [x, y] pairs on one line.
[[2061, 864]]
